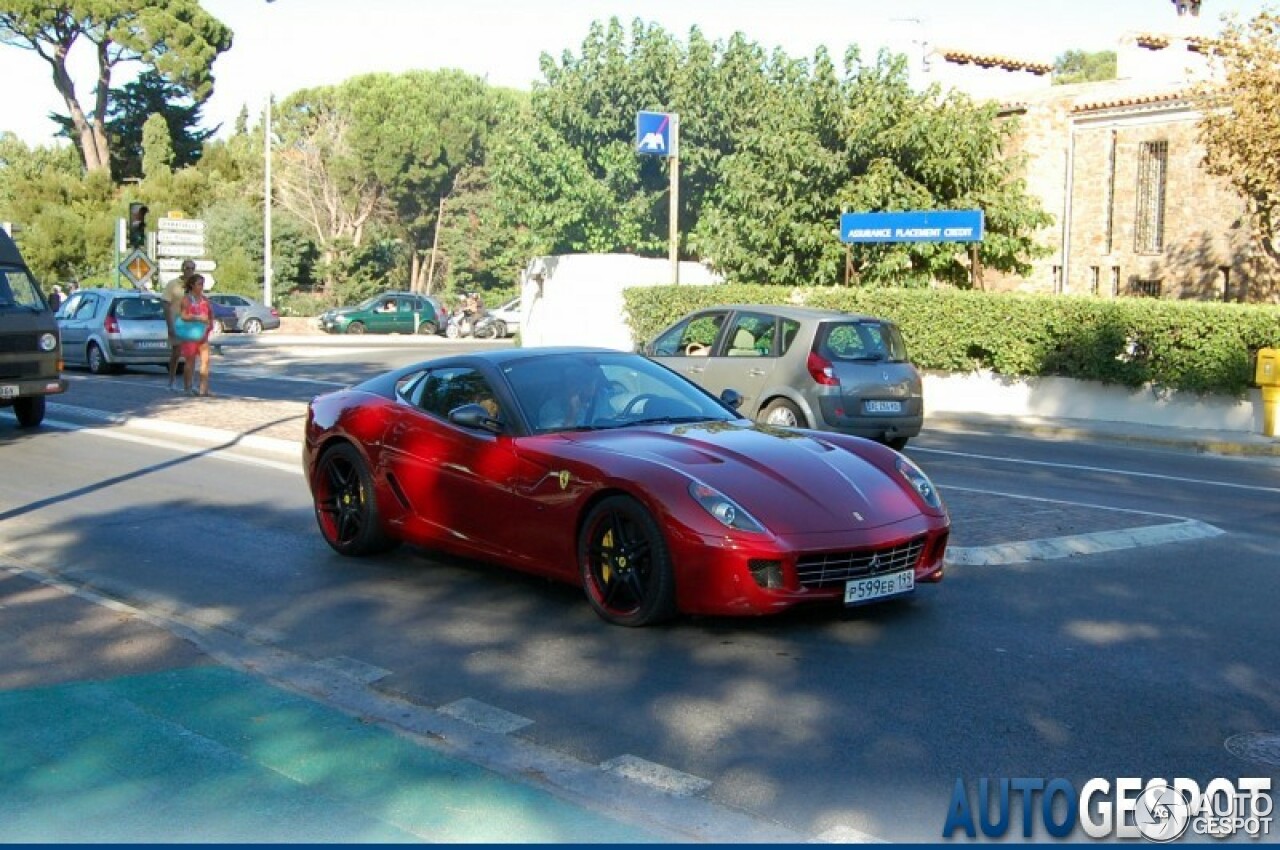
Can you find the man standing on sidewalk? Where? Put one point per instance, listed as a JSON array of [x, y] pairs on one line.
[[172, 297]]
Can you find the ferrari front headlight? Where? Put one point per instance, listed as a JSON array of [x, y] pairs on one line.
[[724, 509], [919, 482]]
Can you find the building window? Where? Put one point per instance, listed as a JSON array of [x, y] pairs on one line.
[[1225, 271], [1095, 275], [1146, 288], [1057, 280], [1109, 225], [1153, 167], [1115, 281]]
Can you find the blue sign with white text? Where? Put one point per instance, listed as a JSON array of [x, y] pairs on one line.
[[653, 133], [932, 226]]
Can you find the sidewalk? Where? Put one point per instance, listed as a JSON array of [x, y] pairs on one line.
[[126, 725]]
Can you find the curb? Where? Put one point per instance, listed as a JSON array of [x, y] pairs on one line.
[[1243, 445]]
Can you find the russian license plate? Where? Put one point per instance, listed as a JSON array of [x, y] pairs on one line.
[[861, 590], [882, 406], [8, 390], [152, 343]]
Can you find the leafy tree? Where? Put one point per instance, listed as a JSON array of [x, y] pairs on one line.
[[772, 149], [157, 150], [176, 38], [1240, 127], [1082, 66], [373, 158], [133, 105]]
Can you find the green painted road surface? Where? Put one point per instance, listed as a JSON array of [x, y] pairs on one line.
[[210, 754]]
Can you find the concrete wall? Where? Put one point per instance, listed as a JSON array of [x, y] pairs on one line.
[[576, 299], [1066, 398]]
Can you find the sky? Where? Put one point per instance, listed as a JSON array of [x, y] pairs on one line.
[[286, 45]]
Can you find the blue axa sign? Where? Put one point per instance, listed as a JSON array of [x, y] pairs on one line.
[[1127, 807], [924, 226]]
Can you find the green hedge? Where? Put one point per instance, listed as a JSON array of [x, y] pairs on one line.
[[1182, 345]]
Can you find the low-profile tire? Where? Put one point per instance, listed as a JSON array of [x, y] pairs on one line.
[[97, 361], [427, 328], [896, 443], [29, 410], [625, 565], [345, 503], [782, 413], [252, 326], [499, 329], [355, 328], [486, 331]]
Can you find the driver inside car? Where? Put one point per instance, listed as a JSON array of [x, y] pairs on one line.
[[578, 401]]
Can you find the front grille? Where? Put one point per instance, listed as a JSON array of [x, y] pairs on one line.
[[20, 369], [16, 343], [835, 568]]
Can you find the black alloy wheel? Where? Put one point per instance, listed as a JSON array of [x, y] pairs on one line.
[[346, 507], [625, 565]]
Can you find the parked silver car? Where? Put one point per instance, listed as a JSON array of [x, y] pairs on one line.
[[799, 367], [509, 315], [247, 316], [108, 329]]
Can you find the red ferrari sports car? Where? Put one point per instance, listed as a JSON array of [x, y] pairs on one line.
[[605, 469]]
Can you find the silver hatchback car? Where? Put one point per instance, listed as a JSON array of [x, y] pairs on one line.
[[107, 329], [799, 367]]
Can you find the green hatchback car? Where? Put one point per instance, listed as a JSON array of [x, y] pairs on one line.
[[388, 313]]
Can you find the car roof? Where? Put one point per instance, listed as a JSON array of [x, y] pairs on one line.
[[117, 293], [788, 311], [9, 251]]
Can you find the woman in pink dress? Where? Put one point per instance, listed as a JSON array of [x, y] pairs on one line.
[[196, 308]]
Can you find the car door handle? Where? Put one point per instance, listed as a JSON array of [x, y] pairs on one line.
[[756, 373], [696, 369]]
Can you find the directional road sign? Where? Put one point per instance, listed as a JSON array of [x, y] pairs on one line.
[[925, 226], [174, 264], [137, 267], [655, 133]]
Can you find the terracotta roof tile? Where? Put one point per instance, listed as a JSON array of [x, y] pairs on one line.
[[1119, 101], [982, 60]]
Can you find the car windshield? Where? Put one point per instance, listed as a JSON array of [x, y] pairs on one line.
[[862, 341], [603, 390], [18, 290]]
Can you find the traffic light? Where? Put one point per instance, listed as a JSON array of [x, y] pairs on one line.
[[138, 225]]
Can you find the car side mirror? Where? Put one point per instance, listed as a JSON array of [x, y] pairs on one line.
[[474, 416], [732, 398]]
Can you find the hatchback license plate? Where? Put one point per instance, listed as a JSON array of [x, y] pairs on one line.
[[882, 406], [861, 590], [153, 343], [8, 390]]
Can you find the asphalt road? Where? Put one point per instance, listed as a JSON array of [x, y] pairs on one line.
[[1139, 661]]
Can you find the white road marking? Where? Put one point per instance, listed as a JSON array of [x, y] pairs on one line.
[[1058, 501], [1104, 469], [356, 669], [657, 776], [1053, 548], [226, 453], [488, 717]]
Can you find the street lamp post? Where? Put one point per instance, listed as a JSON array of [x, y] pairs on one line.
[[266, 202], [266, 206]]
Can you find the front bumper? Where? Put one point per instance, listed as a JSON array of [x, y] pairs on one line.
[[714, 575], [15, 389]]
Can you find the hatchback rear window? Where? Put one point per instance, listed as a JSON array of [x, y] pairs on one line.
[[139, 308], [864, 341]]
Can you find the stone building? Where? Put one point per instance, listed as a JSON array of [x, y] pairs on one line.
[[1118, 165]]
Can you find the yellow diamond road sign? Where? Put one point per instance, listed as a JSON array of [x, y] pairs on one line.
[[137, 267]]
